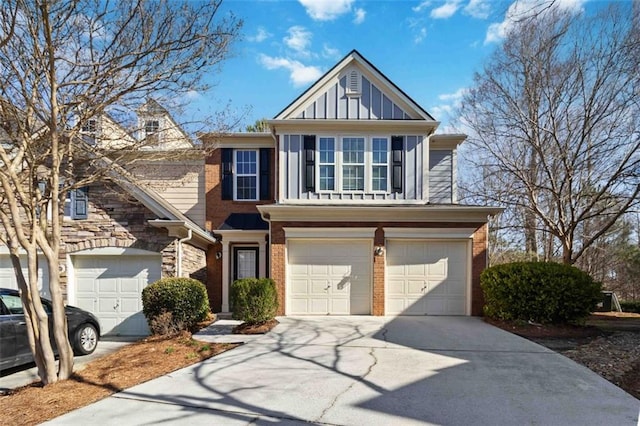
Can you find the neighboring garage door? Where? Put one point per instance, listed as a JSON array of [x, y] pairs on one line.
[[329, 277], [426, 277], [110, 287], [8, 276]]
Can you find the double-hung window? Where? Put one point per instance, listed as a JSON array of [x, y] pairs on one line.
[[327, 151], [246, 175], [352, 164], [379, 163]]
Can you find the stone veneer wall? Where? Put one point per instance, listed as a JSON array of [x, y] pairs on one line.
[[194, 263], [116, 219]]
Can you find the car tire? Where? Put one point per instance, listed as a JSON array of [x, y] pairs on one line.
[[85, 340]]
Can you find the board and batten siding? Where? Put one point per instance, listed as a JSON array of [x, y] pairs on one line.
[[413, 185], [372, 104], [441, 176]]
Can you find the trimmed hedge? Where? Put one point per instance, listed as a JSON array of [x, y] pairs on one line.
[[185, 299], [537, 291], [254, 300], [631, 306]]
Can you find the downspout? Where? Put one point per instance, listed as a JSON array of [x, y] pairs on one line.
[[179, 252]]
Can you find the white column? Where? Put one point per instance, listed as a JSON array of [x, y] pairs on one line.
[[262, 259], [226, 260]]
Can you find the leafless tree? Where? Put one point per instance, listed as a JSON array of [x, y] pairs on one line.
[[554, 121], [63, 62]]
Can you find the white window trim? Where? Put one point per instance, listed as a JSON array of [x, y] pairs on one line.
[[334, 164], [236, 175], [371, 164], [366, 175], [339, 162]]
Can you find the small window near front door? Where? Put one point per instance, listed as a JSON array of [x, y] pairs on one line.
[[245, 264]]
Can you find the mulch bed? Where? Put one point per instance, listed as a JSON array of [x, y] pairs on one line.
[[261, 328]]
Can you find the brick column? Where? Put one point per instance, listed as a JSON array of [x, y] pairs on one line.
[[278, 263], [378, 274]]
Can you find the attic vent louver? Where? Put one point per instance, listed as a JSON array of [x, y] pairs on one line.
[[353, 83]]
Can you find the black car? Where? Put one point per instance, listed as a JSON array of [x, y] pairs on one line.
[[84, 330]]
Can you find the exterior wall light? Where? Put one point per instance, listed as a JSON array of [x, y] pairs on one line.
[[218, 255], [378, 250]]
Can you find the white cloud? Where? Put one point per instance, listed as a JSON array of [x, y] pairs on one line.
[[360, 14], [522, 9], [455, 96], [298, 39], [330, 52], [450, 102], [261, 35], [447, 10], [421, 34], [300, 74], [326, 10], [479, 9], [425, 4]]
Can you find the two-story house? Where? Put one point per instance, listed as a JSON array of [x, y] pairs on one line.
[[349, 204], [132, 226]]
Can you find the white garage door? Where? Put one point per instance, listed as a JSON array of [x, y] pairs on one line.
[[426, 277], [111, 288], [8, 276], [329, 277]]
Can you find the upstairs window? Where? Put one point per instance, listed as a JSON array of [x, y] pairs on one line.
[[379, 164], [90, 127], [353, 164], [151, 126], [76, 204], [246, 175], [327, 151]]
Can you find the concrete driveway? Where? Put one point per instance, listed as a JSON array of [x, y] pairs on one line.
[[372, 370]]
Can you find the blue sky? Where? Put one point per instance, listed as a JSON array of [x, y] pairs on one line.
[[430, 49]]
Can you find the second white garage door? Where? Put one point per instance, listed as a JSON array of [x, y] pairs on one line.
[[426, 277], [329, 277], [111, 288]]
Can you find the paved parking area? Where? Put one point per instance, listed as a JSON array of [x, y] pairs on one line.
[[372, 370]]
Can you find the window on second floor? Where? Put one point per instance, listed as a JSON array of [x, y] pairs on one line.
[[353, 164], [347, 163], [327, 163], [90, 127], [246, 175], [151, 127], [77, 203]]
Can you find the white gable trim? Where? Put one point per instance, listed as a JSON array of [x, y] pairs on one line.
[[353, 61]]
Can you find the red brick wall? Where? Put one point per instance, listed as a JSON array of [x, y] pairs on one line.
[[278, 263], [217, 208], [217, 211]]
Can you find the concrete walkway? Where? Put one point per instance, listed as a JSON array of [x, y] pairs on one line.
[[374, 371]]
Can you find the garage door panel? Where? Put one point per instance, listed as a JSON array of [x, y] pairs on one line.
[[426, 277], [337, 273], [111, 286]]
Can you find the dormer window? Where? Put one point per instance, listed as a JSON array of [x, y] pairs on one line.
[[151, 126], [90, 127], [354, 86]]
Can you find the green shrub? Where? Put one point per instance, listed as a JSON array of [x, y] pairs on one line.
[[254, 300], [631, 306], [541, 292], [174, 304]]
